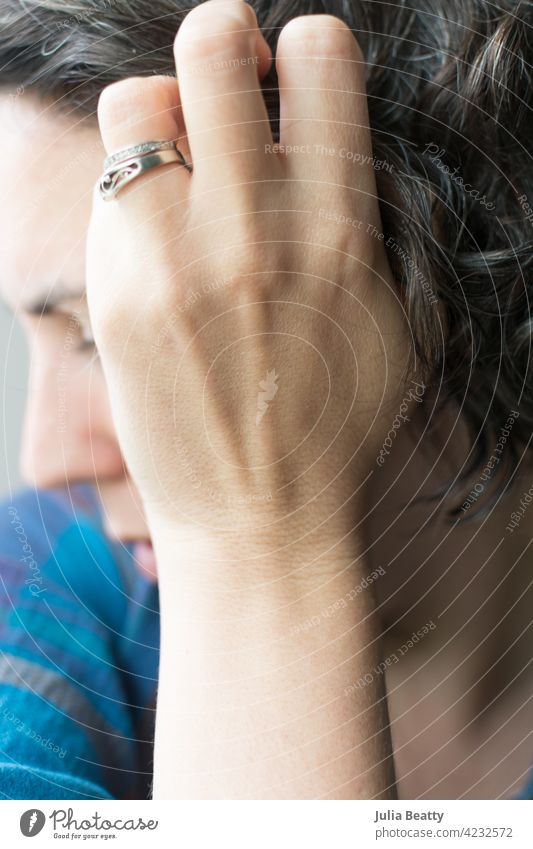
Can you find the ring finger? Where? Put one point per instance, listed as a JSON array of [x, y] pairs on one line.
[[143, 109]]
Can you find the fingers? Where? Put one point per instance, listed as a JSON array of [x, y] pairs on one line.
[[324, 116], [220, 54], [140, 109], [219, 114]]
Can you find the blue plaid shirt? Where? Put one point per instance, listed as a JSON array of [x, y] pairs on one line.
[[79, 652]]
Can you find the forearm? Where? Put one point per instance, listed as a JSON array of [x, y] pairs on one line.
[[276, 381], [259, 654]]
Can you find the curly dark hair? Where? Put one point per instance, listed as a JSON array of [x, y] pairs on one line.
[[450, 93]]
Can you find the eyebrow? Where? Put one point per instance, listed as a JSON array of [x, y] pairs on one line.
[[54, 297]]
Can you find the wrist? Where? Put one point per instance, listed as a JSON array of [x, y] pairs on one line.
[[265, 542]]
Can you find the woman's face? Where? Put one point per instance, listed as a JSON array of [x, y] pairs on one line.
[[48, 167]]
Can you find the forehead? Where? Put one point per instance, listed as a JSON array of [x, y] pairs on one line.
[[48, 166]]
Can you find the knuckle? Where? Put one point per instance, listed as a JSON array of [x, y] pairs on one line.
[[113, 314], [126, 101], [109, 326], [322, 35], [208, 33], [121, 103], [117, 95], [213, 16], [307, 24]]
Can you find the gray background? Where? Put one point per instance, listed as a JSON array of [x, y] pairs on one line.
[[13, 371]]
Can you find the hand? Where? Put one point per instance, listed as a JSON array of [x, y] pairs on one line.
[[246, 316], [254, 350]]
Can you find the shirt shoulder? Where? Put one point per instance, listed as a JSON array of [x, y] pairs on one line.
[[77, 659]]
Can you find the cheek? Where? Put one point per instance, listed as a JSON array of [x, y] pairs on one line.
[[68, 432], [67, 388], [68, 427], [88, 391]]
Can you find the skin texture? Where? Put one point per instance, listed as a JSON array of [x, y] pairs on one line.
[[46, 202], [294, 279], [294, 282], [443, 742]]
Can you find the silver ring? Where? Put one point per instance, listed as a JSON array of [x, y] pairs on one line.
[[124, 166]]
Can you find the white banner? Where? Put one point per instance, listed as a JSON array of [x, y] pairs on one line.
[[268, 825]]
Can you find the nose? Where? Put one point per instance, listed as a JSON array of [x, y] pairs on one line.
[[68, 433]]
